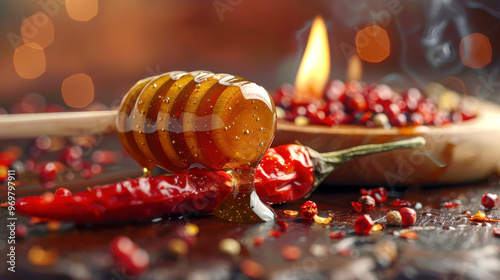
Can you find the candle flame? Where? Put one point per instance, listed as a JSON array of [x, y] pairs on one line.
[[354, 69], [314, 69]]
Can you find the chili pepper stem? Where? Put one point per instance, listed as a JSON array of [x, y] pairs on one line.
[[325, 163]]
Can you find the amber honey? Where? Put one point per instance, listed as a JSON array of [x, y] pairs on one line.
[[182, 120]]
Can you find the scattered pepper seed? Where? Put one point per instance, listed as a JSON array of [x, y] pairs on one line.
[[291, 212], [251, 269], [291, 252], [479, 216], [409, 234], [377, 227], [321, 220], [337, 235], [230, 246]]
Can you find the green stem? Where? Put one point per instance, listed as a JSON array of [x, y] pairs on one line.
[[325, 163]]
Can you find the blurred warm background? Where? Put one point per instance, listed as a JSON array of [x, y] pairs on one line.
[[78, 52]]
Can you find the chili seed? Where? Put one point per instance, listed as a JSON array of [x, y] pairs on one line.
[[291, 212], [377, 227], [409, 235], [479, 216], [321, 220]]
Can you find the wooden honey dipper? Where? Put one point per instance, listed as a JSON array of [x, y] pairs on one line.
[[181, 120]]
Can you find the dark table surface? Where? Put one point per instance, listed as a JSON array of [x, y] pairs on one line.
[[449, 245]]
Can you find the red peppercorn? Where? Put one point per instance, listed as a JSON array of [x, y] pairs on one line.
[[63, 192], [408, 216], [379, 194], [128, 256], [496, 231], [72, 156], [357, 206], [21, 231], [400, 202], [308, 210], [489, 200], [335, 91], [355, 102], [47, 173], [367, 202], [363, 224]]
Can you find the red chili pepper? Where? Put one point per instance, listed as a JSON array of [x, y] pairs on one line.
[[199, 191], [285, 173]]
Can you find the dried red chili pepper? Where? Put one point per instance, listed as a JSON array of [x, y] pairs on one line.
[[199, 190], [286, 173], [290, 172]]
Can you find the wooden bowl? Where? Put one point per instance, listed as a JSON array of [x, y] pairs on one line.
[[454, 153]]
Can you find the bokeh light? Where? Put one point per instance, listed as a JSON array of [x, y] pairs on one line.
[[38, 29], [372, 44], [29, 61], [354, 69], [78, 90], [82, 10], [475, 51]]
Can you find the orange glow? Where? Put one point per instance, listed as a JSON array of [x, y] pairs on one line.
[[38, 29], [82, 10], [29, 61], [354, 69], [475, 51], [372, 44], [314, 69], [78, 90]]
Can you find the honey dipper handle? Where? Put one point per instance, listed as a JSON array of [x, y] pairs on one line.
[[16, 126]]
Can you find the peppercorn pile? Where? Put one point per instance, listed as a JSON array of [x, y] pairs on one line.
[[372, 105]]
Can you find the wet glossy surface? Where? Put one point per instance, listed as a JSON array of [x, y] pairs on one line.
[[449, 246], [180, 120]]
